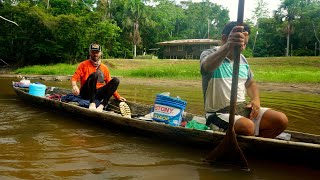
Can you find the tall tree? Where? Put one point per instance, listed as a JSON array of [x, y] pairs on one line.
[[271, 40], [307, 29], [103, 6], [199, 17], [166, 15], [261, 11], [134, 13], [289, 11]]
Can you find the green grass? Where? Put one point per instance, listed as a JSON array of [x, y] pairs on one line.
[[57, 69], [269, 69], [175, 71], [286, 69]]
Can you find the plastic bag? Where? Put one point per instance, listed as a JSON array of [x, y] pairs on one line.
[[193, 124]]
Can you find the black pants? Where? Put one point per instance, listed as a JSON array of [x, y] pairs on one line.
[[90, 92]]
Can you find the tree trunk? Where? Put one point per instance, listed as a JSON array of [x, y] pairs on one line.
[[136, 36], [288, 39]]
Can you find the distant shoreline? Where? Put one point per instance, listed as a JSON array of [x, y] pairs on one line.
[[310, 88]]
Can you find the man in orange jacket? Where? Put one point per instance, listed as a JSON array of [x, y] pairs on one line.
[[95, 80]]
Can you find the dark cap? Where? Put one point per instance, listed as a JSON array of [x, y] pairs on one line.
[[228, 28], [94, 47]]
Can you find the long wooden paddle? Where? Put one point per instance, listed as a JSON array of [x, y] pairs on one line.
[[228, 151]]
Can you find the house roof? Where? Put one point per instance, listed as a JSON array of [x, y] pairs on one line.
[[154, 49], [190, 41]]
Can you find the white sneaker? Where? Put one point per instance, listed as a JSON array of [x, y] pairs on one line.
[[92, 106], [124, 109], [100, 108]]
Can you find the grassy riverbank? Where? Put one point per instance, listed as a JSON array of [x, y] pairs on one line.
[[270, 69]]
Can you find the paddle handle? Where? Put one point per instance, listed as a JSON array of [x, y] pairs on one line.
[[235, 74]]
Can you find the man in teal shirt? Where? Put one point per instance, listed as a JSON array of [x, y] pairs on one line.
[[216, 71]]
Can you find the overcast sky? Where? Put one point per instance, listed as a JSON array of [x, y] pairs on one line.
[[249, 6]]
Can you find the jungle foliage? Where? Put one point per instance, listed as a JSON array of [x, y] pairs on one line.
[[60, 31]]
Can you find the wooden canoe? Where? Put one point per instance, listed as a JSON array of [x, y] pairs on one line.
[[302, 148]]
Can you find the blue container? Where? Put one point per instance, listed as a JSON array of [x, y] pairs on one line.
[[168, 110], [37, 89]]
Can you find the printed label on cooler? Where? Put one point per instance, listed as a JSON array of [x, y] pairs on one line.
[[166, 110]]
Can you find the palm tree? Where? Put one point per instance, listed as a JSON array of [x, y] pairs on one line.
[[134, 12], [289, 11]]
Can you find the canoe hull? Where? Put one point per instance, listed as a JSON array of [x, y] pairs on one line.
[[307, 152]]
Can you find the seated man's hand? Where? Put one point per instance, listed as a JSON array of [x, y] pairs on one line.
[[122, 99], [255, 109], [75, 90]]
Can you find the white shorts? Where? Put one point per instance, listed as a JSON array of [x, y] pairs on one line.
[[221, 120]]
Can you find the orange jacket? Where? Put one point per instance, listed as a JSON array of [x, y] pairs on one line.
[[86, 68]]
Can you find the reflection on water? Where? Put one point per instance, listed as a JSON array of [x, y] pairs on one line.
[[39, 144], [303, 110]]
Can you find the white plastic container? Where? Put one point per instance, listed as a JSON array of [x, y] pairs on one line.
[[25, 82]]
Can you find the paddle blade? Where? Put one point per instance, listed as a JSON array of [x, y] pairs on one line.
[[228, 152]]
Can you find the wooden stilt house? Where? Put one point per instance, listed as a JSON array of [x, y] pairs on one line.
[[186, 49]]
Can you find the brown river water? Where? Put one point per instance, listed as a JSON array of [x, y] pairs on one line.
[[36, 143]]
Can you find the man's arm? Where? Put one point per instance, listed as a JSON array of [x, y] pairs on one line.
[[214, 60], [253, 93], [74, 79], [236, 37]]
